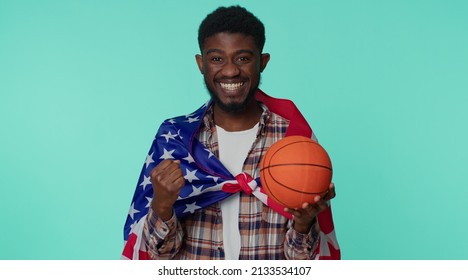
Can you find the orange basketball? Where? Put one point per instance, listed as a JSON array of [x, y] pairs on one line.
[[295, 170]]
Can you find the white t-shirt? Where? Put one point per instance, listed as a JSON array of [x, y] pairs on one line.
[[234, 147]]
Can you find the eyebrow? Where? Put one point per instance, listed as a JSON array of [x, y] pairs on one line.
[[236, 52]]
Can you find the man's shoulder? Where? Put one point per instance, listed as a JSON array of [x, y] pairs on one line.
[[271, 116]]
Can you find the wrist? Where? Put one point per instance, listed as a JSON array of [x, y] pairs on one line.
[[304, 228], [164, 213]]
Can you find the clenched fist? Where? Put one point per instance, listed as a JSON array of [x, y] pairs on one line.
[[167, 179]]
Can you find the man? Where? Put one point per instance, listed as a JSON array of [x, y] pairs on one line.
[[206, 203]]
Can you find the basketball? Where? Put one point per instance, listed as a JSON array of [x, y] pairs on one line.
[[295, 170]]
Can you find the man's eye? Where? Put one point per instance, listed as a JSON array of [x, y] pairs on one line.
[[216, 59], [243, 59]]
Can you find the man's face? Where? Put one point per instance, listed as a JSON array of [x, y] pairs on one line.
[[231, 64]]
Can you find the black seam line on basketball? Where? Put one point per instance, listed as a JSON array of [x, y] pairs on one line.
[[271, 192], [281, 201], [287, 164], [300, 141], [287, 187], [289, 144]]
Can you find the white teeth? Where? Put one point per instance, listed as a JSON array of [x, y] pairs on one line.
[[233, 86]]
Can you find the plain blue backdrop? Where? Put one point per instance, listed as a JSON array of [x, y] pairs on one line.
[[85, 84]]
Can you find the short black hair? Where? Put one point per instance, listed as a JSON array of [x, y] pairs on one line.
[[233, 19]]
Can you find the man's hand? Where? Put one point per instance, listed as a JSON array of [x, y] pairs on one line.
[[167, 179], [304, 217]]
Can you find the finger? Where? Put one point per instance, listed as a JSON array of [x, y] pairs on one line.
[[308, 207], [159, 169], [305, 205], [164, 169], [176, 177], [295, 212], [171, 166], [322, 205], [307, 214], [171, 182], [331, 192], [173, 169], [180, 182], [166, 166], [163, 164]]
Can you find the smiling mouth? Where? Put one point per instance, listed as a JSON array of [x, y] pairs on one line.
[[231, 86]]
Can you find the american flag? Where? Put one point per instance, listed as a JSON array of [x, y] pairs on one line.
[[207, 180]]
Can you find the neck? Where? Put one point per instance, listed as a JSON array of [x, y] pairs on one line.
[[238, 121]]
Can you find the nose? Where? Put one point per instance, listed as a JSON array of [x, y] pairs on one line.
[[230, 69]]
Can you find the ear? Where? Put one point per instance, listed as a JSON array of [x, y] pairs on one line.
[[264, 58], [199, 59]]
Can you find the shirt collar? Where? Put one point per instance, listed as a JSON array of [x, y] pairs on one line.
[[209, 124]]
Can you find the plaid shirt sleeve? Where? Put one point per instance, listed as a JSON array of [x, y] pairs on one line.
[[299, 246], [163, 239]]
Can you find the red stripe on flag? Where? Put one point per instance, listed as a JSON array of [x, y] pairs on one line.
[[287, 109], [143, 255], [128, 249], [326, 221]]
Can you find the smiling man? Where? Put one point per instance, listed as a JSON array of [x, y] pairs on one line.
[[231, 64], [205, 201]]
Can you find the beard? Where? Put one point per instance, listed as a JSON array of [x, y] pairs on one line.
[[232, 107]]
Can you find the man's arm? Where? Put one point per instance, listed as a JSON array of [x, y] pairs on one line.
[[163, 239], [302, 246], [162, 230], [303, 237]]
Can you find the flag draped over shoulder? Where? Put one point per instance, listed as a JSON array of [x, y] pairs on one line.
[[207, 180]]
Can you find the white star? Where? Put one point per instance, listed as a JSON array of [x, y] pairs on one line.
[[210, 154], [132, 211], [190, 175], [191, 120], [189, 158], [195, 190], [146, 182], [178, 133], [168, 136], [167, 154], [171, 121], [191, 207], [149, 201], [133, 225], [149, 159], [215, 179]]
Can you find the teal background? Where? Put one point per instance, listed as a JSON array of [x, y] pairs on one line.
[[85, 84]]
